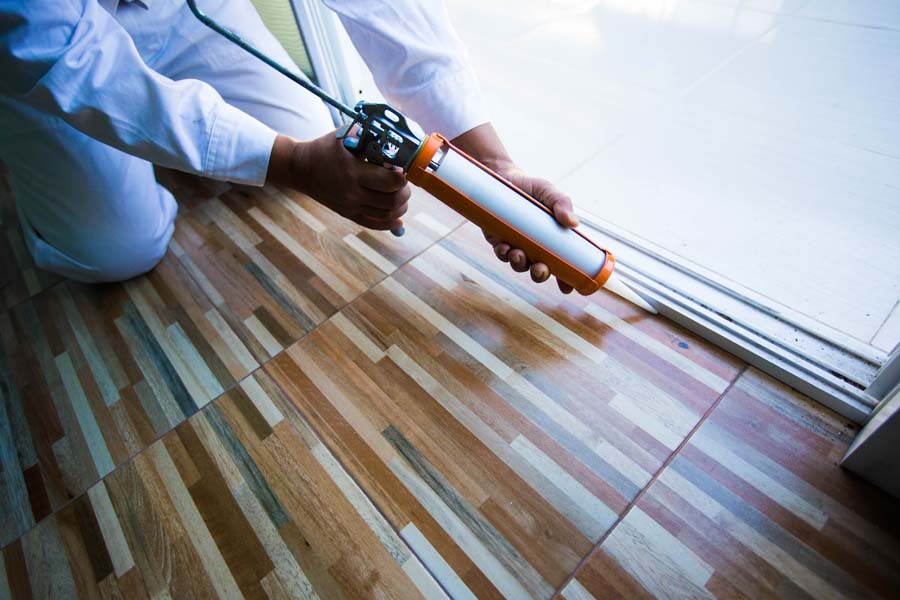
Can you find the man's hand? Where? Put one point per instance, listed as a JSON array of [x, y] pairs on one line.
[[371, 195], [484, 144]]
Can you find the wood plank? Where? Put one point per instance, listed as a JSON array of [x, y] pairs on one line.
[[19, 278], [113, 535]]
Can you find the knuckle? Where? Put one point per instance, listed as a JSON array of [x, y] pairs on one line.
[[399, 198], [564, 202]]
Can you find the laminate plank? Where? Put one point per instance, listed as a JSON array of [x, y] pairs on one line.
[[455, 587], [20, 279], [5, 591], [93, 374], [756, 506], [97, 447], [113, 536], [208, 551], [14, 497], [618, 582], [87, 562], [48, 572], [15, 571]]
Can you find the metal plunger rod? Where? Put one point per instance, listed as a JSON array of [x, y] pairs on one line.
[[192, 4]]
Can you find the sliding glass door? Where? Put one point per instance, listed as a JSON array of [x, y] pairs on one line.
[[741, 159]]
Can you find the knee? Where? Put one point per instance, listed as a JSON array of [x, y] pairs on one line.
[[109, 250], [133, 248], [103, 259], [124, 259]]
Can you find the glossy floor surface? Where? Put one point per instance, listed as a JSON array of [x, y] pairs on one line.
[[757, 141], [291, 407]]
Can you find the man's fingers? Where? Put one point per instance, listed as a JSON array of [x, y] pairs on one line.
[[385, 200], [518, 260], [501, 249], [492, 239], [539, 272], [564, 212], [564, 287], [380, 179], [378, 224], [561, 205], [385, 214]]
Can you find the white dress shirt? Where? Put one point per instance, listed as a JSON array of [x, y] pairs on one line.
[[70, 58]]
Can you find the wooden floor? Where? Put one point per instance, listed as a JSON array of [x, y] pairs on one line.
[[292, 407]]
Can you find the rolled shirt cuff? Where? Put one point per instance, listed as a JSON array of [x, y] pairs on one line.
[[239, 148], [451, 105]]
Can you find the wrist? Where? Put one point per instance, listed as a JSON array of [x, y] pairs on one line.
[[483, 144], [283, 161]]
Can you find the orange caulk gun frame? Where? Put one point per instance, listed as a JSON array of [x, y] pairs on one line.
[[420, 173]]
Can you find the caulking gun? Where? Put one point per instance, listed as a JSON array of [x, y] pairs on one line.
[[384, 137]]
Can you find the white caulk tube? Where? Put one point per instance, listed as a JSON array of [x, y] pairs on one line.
[[499, 207]]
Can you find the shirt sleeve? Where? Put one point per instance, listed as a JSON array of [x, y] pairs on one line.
[[418, 61], [71, 59]]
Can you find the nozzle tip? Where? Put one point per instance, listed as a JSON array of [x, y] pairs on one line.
[[620, 288]]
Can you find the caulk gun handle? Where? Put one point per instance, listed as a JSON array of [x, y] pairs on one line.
[[352, 144]]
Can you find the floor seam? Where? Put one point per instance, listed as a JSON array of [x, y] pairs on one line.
[[15, 305], [884, 322], [650, 483]]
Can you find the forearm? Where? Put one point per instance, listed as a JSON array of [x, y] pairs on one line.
[[76, 62], [483, 144]]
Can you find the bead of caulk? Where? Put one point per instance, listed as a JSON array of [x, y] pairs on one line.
[[620, 288]]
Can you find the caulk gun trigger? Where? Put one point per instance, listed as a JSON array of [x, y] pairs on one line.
[[344, 131]]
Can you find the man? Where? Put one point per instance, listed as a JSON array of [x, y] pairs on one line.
[[94, 92]]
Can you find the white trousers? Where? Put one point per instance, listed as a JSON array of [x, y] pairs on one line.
[[94, 213]]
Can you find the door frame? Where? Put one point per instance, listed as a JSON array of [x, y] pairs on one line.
[[339, 69]]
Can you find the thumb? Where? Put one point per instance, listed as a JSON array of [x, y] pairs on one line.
[[555, 200], [547, 194]]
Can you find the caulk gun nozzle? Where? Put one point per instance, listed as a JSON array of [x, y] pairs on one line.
[[615, 285]]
